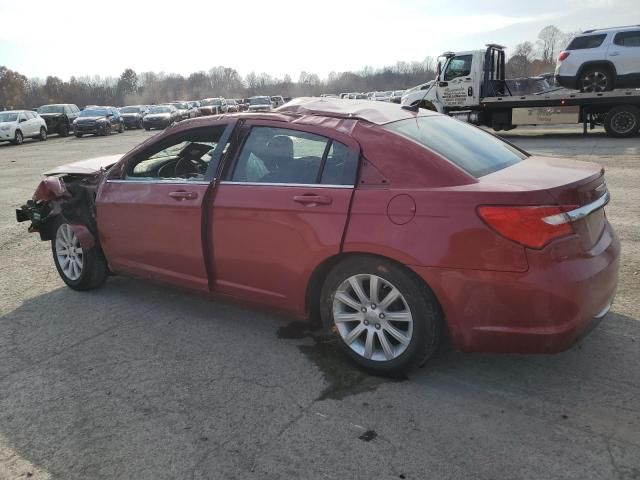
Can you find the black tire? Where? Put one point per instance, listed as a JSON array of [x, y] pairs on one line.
[[79, 135], [121, 128], [147, 128], [140, 126], [596, 79], [64, 130], [43, 134], [622, 121], [94, 269], [416, 296], [18, 138]]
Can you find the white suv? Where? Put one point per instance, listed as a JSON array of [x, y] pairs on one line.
[[601, 60], [16, 125]]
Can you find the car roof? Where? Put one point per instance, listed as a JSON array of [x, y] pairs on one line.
[[378, 113], [609, 29]]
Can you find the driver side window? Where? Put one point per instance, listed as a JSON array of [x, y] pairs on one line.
[[184, 157], [458, 67]]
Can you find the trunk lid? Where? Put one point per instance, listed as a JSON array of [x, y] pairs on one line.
[[568, 182]]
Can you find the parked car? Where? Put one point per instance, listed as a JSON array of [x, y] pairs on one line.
[[59, 117], [396, 96], [381, 96], [98, 121], [16, 125], [133, 115], [160, 116], [415, 94], [182, 108], [277, 101], [515, 253], [213, 106], [260, 104], [194, 108], [244, 104], [601, 60], [357, 96], [232, 106]]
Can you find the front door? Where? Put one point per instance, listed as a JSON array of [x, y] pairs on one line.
[[280, 210], [624, 52], [150, 213], [456, 86]]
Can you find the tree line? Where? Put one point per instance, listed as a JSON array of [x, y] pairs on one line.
[[18, 91]]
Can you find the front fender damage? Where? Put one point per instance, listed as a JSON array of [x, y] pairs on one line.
[[71, 197]]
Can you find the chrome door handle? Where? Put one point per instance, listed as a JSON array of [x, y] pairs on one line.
[[183, 195], [312, 199]]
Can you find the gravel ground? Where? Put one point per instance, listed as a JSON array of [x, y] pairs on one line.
[[138, 381]]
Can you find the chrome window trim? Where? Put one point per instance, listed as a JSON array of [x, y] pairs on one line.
[[578, 213], [161, 182], [304, 185]]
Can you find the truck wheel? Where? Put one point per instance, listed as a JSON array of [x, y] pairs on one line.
[[387, 320], [596, 79], [622, 122], [80, 269]]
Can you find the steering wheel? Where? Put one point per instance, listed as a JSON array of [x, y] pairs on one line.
[[196, 164]]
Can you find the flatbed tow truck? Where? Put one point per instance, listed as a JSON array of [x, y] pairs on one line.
[[471, 86]]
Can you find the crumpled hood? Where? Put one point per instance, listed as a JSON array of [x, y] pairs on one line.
[[85, 167]]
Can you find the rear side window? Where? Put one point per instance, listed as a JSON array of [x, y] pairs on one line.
[[627, 39], [587, 41], [476, 152]]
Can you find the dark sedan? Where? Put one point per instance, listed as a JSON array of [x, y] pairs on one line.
[[133, 115], [161, 116], [98, 121]]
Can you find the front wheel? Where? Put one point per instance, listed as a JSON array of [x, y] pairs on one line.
[[80, 269], [43, 134], [388, 321], [79, 135], [64, 130], [622, 121], [18, 138], [121, 128]]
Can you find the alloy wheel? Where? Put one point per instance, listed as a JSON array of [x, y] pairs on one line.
[[595, 82], [69, 252], [372, 317]]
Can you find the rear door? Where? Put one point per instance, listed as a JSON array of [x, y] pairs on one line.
[[280, 210], [624, 52], [150, 209]]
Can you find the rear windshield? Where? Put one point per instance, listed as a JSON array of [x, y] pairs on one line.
[[476, 152], [587, 41]]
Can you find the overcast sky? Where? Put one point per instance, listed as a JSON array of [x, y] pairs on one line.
[[40, 38]]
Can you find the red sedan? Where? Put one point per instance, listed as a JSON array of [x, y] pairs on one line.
[[388, 225]]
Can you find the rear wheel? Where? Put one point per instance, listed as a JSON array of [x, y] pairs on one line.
[[43, 134], [388, 321], [64, 130], [79, 269], [18, 138], [622, 122], [596, 79]]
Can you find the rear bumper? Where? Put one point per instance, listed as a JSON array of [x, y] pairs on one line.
[[544, 310]]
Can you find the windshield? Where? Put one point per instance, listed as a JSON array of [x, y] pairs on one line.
[[379, 94], [51, 109], [160, 110], [208, 103], [260, 101], [94, 112], [130, 110], [473, 150], [8, 117], [182, 106]]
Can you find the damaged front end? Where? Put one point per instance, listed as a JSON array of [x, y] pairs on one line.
[[71, 196]]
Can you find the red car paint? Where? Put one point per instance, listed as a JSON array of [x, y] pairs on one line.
[[263, 244]]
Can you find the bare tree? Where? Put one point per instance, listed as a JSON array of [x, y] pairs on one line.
[[548, 40]]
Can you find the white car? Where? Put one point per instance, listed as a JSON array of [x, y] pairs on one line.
[[16, 125], [601, 60], [416, 94], [381, 96]]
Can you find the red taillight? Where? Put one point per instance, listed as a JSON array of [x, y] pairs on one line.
[[563, 56], [526, 225]]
